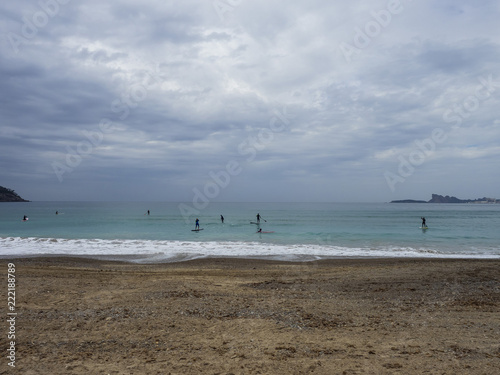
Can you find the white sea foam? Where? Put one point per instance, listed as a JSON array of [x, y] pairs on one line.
[[169, 251]]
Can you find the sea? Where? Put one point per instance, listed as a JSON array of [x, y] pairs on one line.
[[297, 231]]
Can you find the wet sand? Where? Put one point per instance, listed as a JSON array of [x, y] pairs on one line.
[[237, 316]]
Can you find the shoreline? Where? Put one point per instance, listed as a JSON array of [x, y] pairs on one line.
[[250, 316], [160, 251], [297, 259], [81, 260]]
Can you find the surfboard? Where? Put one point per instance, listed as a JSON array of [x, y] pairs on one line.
[[266, 231], [196, 230], [424, 227]]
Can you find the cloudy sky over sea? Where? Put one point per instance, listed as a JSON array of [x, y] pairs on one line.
[[238, 100]]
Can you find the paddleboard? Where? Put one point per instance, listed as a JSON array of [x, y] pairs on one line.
[[196, 230], [424, 227], [265, 231]]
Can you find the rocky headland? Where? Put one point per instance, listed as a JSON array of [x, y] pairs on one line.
[[9, 195], [436, 198]]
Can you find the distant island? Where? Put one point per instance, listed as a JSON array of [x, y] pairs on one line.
[[436, 198], [9, 195]]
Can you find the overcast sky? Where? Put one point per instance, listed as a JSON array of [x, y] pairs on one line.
[[250, 100]]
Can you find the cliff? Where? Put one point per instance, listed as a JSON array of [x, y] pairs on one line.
[[436, 198], [9, 195]]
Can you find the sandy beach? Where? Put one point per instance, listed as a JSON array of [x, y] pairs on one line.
[[237, 316]]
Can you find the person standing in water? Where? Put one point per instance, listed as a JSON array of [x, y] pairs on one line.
[[197, 226], [222, 219], [423, 222]]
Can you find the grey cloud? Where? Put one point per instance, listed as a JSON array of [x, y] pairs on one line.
[[187, 92]]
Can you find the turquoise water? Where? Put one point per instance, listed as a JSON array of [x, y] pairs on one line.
[[301, 230]]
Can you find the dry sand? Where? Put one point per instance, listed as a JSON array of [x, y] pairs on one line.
[[235, 316]]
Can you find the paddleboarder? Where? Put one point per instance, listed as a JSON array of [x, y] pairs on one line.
[[423, 222], [197, 226], [222, 219]]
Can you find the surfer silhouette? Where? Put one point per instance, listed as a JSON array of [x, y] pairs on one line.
[[197, 226], [423, 222], [222, 219]]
